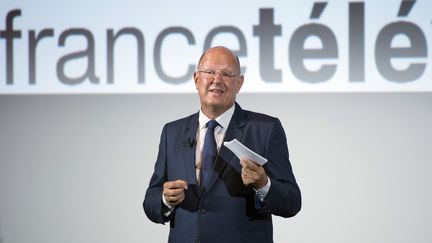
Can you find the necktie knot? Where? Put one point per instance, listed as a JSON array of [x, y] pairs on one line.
[[212, 124]]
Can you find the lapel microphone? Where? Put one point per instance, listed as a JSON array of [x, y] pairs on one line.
[[189, 143]]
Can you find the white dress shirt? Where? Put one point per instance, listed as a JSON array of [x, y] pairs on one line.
[[223, 120]]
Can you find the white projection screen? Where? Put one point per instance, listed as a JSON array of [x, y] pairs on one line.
[[86, 87]]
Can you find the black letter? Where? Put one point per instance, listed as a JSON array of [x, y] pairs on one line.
[[384, 52], [89, 53], [33, 41], [9, 34], [297, 53], [356, 42], [157, 51], [110, 52], [266, 30]]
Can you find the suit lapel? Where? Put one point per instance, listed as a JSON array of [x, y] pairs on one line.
[[189, 150]]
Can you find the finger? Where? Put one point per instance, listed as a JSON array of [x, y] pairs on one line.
[[247, 175], [168, 185], [173, 201], [245, 178], [173, 198], [251, 176], [182, 183], [175, 184], [249, 164], [177, 199], [243, 162], [245, 171], [173, 192], [248, 171]]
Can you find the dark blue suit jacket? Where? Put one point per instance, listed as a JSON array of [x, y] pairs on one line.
[[225, 210]]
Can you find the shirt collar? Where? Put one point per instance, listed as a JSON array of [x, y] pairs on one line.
[[223, 120]]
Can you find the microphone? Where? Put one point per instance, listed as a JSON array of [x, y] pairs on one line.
[[189, 143]]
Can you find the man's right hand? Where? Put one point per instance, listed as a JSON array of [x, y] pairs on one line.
[[174, 191]]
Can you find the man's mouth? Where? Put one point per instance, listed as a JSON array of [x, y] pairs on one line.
[[218, 91]]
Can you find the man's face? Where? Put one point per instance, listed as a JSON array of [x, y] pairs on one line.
[[217, 80]]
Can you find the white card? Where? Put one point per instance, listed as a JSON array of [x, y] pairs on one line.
[[242, 151]]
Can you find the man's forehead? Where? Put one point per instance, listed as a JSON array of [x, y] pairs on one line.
[[218, 58]]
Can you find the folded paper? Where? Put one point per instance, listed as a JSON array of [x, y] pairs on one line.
[[242, 151]]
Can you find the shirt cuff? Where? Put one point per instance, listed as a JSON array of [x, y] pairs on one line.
[[263, 191], [167, 210]]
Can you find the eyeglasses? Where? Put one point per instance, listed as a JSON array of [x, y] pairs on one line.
[[212, 74]]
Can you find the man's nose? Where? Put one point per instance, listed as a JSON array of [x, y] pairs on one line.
[[218, 76]]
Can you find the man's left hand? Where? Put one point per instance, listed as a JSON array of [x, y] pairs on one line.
[[253, 174]]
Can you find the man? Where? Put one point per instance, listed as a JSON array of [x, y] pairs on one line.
[[221, 199]]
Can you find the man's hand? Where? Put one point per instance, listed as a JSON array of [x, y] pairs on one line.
[[253, 174], [174, 191]]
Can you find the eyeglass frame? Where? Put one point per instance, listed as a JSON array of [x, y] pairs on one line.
[[213, 73]]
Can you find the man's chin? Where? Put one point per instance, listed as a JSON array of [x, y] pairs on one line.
[[215, 104], [215, 100]]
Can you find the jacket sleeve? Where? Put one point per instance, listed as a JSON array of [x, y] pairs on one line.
[[153, 205], [284, 197]]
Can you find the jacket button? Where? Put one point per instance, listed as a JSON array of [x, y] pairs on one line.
[[201, 210]]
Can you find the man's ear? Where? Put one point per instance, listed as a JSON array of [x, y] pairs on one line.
[[240, 83], [195, 77]]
